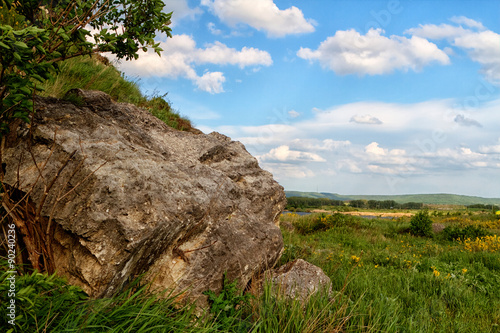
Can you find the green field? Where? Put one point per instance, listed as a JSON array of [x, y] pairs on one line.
[[397, 282], [385, 279]]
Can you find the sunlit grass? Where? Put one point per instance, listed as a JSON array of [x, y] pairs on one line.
[[383, 280], [95, 73], [420, 284]]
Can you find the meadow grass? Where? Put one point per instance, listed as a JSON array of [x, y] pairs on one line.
[[96, 73], [384, 279], [404, 283]]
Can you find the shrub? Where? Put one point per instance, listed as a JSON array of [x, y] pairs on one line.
[[470, 231], [421, 224], [322, 222]]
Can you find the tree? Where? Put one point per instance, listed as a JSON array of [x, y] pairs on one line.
[[37, 34], [34, 36]]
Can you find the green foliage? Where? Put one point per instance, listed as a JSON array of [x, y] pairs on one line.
[[19, 73], [400, 282], [294, 203], [228, 306], [31, 49], [294, 251], [96, 73], [39, 299], [48, 304], [321, 312], [323, 222], [421, 224], [470, 231], [484, 207]]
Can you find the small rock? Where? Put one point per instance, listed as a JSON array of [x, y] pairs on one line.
[[300, 279]]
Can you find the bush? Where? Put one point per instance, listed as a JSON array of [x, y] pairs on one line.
[[323, 222], [470, 231], [421, 224]]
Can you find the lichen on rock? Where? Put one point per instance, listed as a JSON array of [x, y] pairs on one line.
[[181, 208]]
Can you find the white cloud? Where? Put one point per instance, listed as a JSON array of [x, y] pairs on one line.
[[284, 154], [349, 52], [484, 48], [213, 30], [211, 82], [482, 45], [284, 171], [374, 149], [293, 114], [432, 31], [490, 149], [220, 54], [262, 15], [319, 145], [181, 10], [365, 119], [415, 140], [468, 22], [181, 57]]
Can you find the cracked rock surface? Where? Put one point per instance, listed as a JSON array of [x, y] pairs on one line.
[[181, 207]]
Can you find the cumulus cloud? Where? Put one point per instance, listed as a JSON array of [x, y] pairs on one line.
[[415, 139], [349, 52], [211, 82], [490, 149], [468, 22], [284, 171], [284, 154], [319, 145], [293, 114], [181, 56], [181, 10], [433, 31], [483, 46], [374, 149], [462, 120], [262, 15], [365, 119]]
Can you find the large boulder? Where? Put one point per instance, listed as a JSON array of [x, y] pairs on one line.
[[140, 197]]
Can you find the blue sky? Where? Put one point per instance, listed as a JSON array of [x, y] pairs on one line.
[[350, 97]]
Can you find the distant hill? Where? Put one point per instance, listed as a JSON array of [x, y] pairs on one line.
[[333, 196], [436, 199]]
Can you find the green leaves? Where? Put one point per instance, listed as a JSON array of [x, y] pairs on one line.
[[228, 306], [34, 38], [19, 66], [421, 224]]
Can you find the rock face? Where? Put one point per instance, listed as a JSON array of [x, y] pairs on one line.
[[181, 207], [299, 279]]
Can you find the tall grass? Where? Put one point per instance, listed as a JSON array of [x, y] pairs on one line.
[[404, 283], [384, 279], [96, 73]]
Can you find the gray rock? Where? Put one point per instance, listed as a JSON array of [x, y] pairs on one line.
[[182, 208], [299, 279]]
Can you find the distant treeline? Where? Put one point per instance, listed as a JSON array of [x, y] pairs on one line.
[[295, 203], [484, 207], [303, 202]]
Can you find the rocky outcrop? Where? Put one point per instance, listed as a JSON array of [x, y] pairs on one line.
[[299, 279], [140, 197]]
